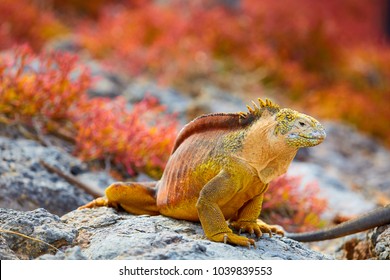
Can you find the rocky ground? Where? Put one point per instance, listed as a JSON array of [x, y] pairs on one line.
[[104, 233], [350, 168]]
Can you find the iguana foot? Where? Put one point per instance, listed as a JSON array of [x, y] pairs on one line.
[[98, 202], [234, 239], [250, 227], [264, 227], [257, 227]]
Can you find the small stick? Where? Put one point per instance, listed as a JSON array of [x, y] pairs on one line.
[[95, 192], [28, 237]]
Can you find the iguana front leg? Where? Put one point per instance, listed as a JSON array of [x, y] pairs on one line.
[[216, 192], [248, 221]]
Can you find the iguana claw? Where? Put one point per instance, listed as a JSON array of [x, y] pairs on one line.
[[232, 238], [257, 227]]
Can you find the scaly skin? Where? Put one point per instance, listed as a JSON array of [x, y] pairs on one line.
[[219, 170]]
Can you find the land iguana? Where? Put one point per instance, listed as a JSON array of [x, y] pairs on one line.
[[375, 218], [219, 170]]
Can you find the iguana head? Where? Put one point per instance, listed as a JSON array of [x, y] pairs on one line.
[[296, 129], [299, 130]]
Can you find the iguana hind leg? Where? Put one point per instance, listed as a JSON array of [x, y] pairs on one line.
[[133, 197]]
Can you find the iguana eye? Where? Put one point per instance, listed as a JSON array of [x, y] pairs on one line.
[[302, 124]]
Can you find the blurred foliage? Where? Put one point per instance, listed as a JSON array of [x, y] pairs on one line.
[[328, 57], [48, 91], [47, 87], [297, 208], [24, 21]]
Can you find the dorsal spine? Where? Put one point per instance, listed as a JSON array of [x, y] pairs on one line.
[[228, 121], [206, 123]]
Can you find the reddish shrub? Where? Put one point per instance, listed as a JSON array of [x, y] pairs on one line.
[[51, 89], [24, 21], [295, 208], [45, 87], [139, 139]]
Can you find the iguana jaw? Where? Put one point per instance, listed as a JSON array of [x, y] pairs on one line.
[[306, 140]]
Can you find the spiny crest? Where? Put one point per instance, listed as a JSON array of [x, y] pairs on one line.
[[257, 111], [225, 121]]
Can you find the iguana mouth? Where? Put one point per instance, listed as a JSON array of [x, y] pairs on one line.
[[306, 140], [316, 136], [312, 137]]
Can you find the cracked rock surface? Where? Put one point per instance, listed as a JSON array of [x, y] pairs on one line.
[[104, 233], [26, 185], [39, 225], [374, 245]]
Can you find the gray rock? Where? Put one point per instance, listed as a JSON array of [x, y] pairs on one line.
[[351, 169], [374, 245], [214, 100], [380, 240], [220, 101], [5, 252], [72, 253], [37, 224], [341, 198], [104, 86], [104, 233], [174, 101], [105, 83], [100, 179], [356, 158], [64, 43], [26, 185], [209, 100]]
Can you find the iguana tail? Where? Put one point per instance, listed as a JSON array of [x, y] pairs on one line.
[[375, 218], [135, 198]]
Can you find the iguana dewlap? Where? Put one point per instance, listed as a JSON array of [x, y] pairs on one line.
[[219, 170]]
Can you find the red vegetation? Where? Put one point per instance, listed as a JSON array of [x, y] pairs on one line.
[[50, 89], [140, 139], [46, 87], [318, 54], [292, 206], [330, 57], [23, 21]]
